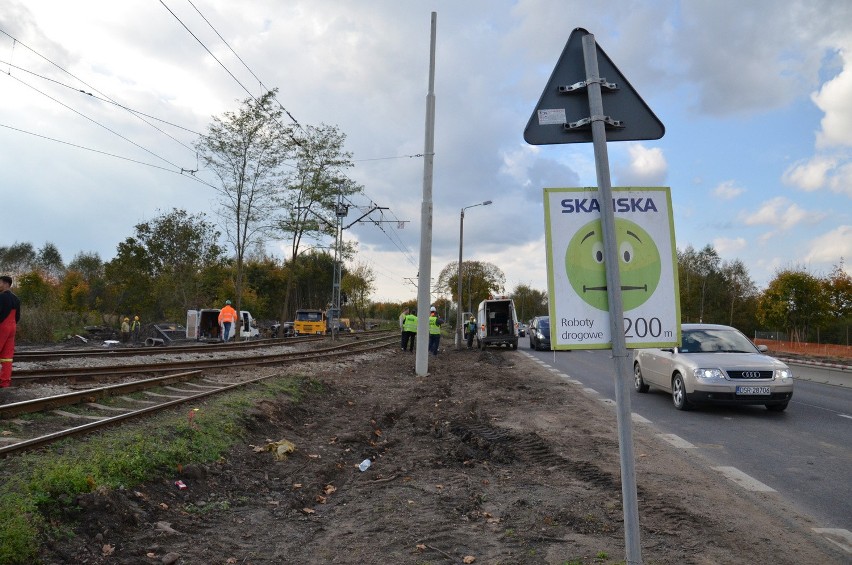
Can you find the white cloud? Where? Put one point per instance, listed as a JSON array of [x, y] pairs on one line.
[[833, 99], [728, 190], [809, 175], [780, 213], [646, 167], [832, 246], [841, 181], [729, 246]]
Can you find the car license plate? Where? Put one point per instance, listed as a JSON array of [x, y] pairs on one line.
[[753, 390]]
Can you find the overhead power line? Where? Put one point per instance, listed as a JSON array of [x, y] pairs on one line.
[[103, 97], [94, 121], [77, 146], [260, 82]]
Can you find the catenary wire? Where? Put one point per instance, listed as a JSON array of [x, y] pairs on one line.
[[75, 145], [103, 96]]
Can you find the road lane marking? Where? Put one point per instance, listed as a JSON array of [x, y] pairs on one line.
[[745, 481], [841, 538], [676, 441], [845, 416]]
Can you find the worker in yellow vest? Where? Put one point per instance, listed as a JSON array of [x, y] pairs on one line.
[[434, 331], [409, 330]]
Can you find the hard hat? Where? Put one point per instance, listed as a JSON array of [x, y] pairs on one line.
[[432, 309], [127, 319], [135, 317], [227, 302]]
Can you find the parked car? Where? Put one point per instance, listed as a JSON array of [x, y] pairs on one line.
[[714, 364], [539, 332], [522, 329]]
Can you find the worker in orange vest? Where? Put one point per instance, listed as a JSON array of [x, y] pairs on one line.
[[227, 317]]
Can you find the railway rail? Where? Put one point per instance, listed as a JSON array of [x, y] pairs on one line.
[[159, 393], [35, 356]]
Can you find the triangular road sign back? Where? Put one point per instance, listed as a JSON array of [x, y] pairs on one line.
[[562, 112]]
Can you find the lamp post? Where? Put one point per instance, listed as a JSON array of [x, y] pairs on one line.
[[459, 273]]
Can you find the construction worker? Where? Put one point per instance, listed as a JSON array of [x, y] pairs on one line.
[[10, 315], [409, 330], [135, 328], [227, 318], [471, 331], [434, 330], [402, 326], [125, 330]]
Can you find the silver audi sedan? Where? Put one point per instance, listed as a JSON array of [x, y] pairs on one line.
[[714, 364]]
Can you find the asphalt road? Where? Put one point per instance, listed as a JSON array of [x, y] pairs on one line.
[[803, 453]]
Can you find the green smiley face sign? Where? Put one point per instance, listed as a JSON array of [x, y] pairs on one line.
[[638, 261]]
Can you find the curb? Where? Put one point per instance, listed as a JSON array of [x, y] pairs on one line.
[[815, 363]]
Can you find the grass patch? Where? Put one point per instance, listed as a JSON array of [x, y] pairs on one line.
[[35, 487]]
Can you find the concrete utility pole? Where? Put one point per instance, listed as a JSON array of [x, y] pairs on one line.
[[421, 363]]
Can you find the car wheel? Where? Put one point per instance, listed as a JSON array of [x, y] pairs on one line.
[[638, 381], [679, 393], [514, 345], [776, 407], [532, 346]]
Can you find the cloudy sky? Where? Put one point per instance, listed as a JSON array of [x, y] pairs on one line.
[[755, 97]]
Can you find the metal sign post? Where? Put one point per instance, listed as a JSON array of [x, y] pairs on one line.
[[616, 308], [561, 116]]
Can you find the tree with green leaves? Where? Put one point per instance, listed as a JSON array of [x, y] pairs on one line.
[[529, 302], [358, 284], [480, 280], [18, 258], [314, 198], [739, 291], [160, 270], [793, 301], [247, 151]]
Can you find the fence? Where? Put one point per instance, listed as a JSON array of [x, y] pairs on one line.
[[781, 344]]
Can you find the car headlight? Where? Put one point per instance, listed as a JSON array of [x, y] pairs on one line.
[[708, 374], [781, 374]]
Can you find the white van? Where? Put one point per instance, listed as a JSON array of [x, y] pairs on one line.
[[497, 323], [204, 325]]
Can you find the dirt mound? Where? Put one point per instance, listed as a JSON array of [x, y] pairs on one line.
[[490, 458]]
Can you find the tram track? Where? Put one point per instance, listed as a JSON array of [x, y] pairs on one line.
[[99, 373], [160, 393], [36, 356]]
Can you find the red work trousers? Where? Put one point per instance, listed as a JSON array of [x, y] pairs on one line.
[[7, 348]]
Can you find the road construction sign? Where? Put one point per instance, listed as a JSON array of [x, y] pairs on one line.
[[647, 263]]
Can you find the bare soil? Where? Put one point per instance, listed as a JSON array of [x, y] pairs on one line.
[[489, 459]]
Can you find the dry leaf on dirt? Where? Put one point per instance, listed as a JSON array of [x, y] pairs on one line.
[[468, 559], [108, 549]]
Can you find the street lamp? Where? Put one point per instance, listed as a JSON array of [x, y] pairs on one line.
[[459, 273]]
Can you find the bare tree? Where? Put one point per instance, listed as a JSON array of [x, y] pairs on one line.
[[246, 150]]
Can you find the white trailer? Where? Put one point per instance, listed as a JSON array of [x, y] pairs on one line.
[[203, 325]]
